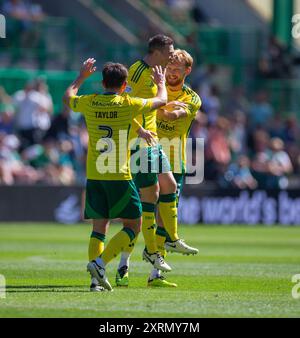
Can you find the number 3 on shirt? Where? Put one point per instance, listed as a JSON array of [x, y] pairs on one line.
[[104, 144]]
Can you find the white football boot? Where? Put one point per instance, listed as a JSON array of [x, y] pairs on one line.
[[181, 247], [98, 272], [156, 260], [95, 287]]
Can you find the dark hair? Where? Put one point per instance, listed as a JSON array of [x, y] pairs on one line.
[[158, 42], [114, 75]]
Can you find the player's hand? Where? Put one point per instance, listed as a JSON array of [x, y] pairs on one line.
[[148, 136], [88, 68], [175, 105], [159, 75]]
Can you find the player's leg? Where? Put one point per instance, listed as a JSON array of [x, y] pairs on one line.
[[167, 204], [149, 190], [147, 183], [167, 210], [95, 204], [122, 276], [167, 187], [96, 246], [156, 279], [161, 235], [149, 196], [124, 203], [123, 239], [97, 238]]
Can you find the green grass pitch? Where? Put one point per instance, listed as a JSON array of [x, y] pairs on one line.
[[239, 272]]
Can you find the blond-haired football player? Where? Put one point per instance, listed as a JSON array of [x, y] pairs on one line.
[[173, 125]]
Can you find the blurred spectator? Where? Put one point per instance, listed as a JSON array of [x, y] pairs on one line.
[[53, 159], [237, 101], [12, 169], [80, 139], [66, 163], [29, 104], [276, 62], [291, 131], [291, 138], [261, 111], [294, 154], [43, 118], [211, 102], [17, 9], [199, 127], [6, 113], [237, 136], [276, 128], [239, 175], [25, 12], [59, 128], [261, 158], [4, 97], [6, 119], [271, 163], [217, 151], [280, 163]]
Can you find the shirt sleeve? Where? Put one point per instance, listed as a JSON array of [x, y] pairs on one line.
[[194, 105], [135, 125], [140, 106], [79, 103]]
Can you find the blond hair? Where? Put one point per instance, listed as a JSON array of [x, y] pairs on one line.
[[182, 56]]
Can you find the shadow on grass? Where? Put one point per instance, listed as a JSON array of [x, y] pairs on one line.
[[46, 288]]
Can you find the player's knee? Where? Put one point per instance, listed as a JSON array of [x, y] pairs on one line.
[[150, 194], [155, 196], [168, 186], [173, 186], [135, 225], [138, 226], [100, 226]]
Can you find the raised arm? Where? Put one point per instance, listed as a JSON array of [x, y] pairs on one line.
[[86, 70], [158, 77]]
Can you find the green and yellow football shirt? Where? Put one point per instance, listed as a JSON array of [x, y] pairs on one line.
[[178, 130], [108, 120], [140, 84]]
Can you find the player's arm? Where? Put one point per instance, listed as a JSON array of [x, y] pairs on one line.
[[145, 106], [178, 109], [86, 70], [145, 134], [159, 78], [173, 110]]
